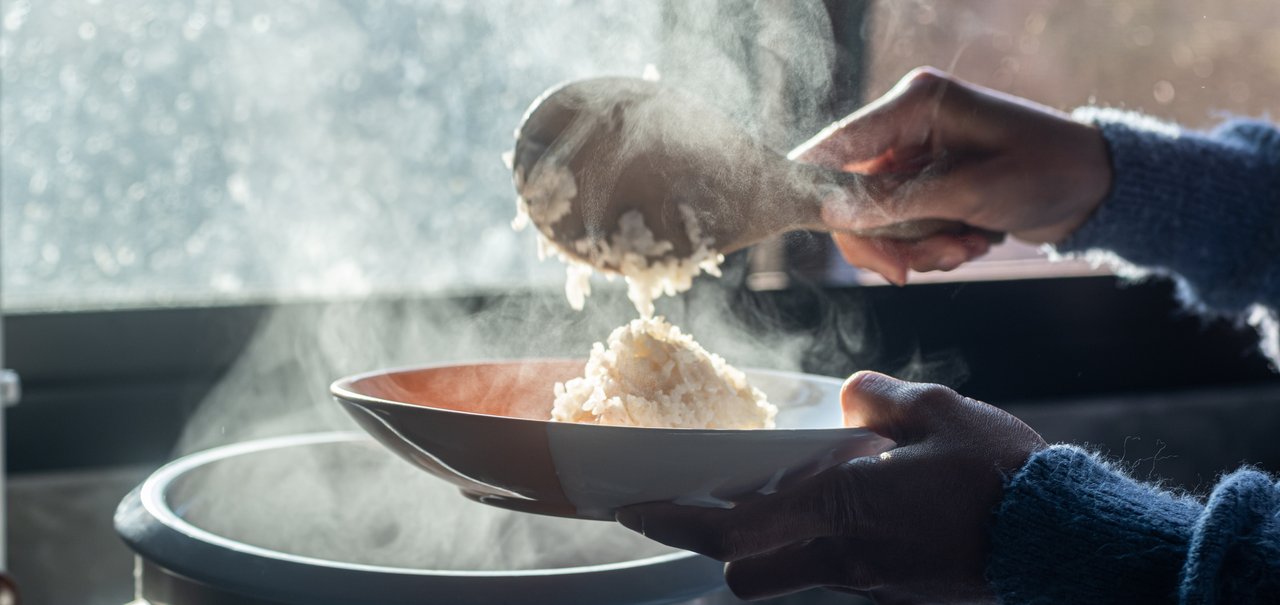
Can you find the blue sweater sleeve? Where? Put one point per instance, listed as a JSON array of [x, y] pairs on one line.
[[1072, 529], [1204, 207]]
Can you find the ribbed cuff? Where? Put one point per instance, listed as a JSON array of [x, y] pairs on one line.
[[1235, 549], [1203, 206], [1071, 529]]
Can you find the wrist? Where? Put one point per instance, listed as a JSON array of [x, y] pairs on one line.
[[1199, 205], [1092, 176], [1084, 176], [1071, 528]]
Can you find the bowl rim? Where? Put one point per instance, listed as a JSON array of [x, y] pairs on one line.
[[153, 490], [341, 389]]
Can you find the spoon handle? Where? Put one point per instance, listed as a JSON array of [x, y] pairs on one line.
[[919, 229], [911, 230]]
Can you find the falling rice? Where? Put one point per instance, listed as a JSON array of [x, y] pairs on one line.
[[648, 373], [546, 196]]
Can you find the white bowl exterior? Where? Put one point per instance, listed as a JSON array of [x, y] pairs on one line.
[[602, 470]]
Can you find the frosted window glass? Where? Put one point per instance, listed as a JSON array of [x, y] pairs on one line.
[[161, 152]]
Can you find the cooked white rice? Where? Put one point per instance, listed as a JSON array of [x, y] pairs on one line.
[[651, 374], [546, 196]]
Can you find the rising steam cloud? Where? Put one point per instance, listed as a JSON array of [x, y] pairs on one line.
[[766, 64]]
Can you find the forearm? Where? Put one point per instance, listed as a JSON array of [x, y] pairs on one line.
[[1204, 207], [1234, 554], [1072, 529]]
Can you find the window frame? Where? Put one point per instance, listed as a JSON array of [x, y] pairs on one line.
[[116, 387]]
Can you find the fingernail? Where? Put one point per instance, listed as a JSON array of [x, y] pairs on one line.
[[901, 265], [899, 278], [862, 380], [630, 519], [852, 394]]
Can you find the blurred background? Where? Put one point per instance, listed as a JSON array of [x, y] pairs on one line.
[[155, 152], [1189, 62], [210, 209]]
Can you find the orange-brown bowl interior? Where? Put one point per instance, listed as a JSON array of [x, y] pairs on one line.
[[517, 390]]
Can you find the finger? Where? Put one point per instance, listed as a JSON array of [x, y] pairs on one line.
[[845, 500], [945, 189], [824, 562], [824, 505], [945, 252], [891, 258], [722, 534], [906, 412], [941, 253], [813, 508], [888, 258]]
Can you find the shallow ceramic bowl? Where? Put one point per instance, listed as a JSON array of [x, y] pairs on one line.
[[484, 427]]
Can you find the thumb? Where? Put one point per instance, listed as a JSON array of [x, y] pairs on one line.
[[863, 141], [906, 412]]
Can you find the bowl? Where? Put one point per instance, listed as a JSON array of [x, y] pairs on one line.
[[486, 428]]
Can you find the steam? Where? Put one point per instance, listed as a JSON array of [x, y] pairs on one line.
[[355, 502], [767, 64], [279, 387]]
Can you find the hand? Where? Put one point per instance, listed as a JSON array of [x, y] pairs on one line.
[[907, 526], [944, 148]]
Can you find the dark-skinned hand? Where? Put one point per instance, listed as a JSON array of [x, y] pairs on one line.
[[943, 148], [909, 526]]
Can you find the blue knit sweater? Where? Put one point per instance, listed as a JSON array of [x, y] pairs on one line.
[[1203, 208]]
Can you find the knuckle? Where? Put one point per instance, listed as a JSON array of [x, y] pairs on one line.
[[935, 395], [925, 77], [926, 405]]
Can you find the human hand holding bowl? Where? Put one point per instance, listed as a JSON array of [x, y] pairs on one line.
[[907, 526]]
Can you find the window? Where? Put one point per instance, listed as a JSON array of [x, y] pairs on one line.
[[205, 151], [222, 151], [211, 155]]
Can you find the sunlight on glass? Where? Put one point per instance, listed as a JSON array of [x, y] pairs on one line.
[[204, 151], [159, 152]]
